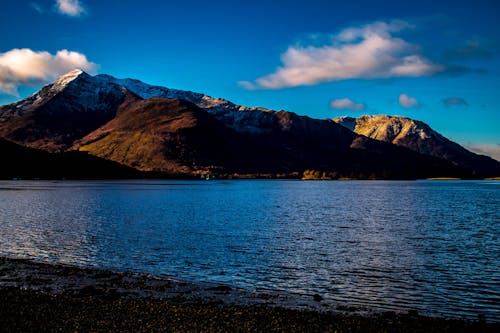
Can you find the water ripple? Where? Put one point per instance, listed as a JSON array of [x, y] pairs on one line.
[[426, 246]]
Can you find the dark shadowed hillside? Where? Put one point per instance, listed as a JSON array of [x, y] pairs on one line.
[[29, 163], [168, 131], [171, 135]]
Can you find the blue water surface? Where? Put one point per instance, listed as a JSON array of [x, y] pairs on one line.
[[432, 246]]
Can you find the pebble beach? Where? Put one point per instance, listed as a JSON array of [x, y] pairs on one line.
[[37, 297]]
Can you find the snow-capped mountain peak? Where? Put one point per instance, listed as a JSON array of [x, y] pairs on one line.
[[63, 80], [49, 91]]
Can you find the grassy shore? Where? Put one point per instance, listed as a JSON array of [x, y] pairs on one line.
[[37, 297]]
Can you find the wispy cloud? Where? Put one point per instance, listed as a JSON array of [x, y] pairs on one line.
[[36, 6], [70, 7], [408, 102], [346, 104], [24, 67], [370, 51], [455, 101], [492, 150], [471, 50]]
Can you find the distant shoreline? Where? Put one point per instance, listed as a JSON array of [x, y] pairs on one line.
[[241, 178], [36, 296]]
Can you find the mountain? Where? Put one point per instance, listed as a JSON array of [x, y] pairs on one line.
[[172, 135], [157, 129], [29, 163], [61, 112], [419, 137], [176, 136]]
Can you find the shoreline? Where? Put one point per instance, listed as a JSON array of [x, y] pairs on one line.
[[38, 296], [344, 179]]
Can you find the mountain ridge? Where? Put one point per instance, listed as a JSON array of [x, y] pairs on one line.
[[417, 136], [158, 129]]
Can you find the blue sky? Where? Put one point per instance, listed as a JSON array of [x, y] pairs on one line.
[[437, 61]]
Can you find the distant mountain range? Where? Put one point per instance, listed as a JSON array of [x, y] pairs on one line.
[[144, 130]]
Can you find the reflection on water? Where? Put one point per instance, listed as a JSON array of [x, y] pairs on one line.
[[431, 246]]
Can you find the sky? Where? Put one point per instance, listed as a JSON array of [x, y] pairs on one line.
[[435, 61]]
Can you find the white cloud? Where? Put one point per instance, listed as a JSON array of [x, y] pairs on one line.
[[492, 150], [346, 104], [370, 51], [70, 7], [19, 67], [408, 102]]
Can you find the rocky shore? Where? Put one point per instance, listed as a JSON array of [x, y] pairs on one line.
[[42, 297]]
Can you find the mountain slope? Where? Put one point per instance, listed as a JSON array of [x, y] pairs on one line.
[[61, 112], [29, 163], [159, 129], [176, 136], [419, 137], [160, 134]]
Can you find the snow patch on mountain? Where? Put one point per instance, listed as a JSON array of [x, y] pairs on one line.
[[87, 93], [65, 79], [82, 93], [239, 118], [346, 121]]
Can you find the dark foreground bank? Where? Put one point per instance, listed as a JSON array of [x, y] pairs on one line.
[[40, 297]]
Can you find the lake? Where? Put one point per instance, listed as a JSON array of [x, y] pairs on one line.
[[432, 246]]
